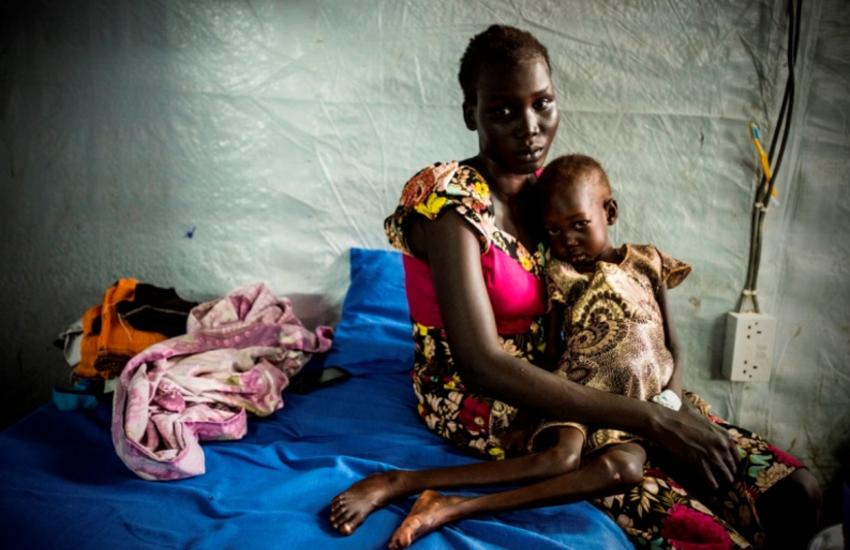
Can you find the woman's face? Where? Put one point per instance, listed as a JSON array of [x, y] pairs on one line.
[[515, 115]]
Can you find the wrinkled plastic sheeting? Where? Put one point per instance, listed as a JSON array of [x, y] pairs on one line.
[[204, 145]]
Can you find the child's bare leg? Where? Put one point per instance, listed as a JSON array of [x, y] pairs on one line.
[[350, 508], [610, 471]]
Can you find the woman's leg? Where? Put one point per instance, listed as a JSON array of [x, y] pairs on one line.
[[790, 510], [609, 471], [350, 508]]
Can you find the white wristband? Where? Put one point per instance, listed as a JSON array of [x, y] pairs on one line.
[[669, 399]]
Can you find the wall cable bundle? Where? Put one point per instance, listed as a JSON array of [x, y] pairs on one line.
[[770, 170]]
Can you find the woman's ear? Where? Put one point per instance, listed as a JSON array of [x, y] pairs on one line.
[[611, 210], [469, 116]]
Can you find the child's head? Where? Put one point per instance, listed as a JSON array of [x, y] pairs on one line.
[[509, 99], [578, 207]]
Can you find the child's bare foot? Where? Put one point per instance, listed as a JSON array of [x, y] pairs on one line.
[[350, 507], [430, 511]]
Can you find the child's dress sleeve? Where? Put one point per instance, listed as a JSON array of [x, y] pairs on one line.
[[441, 188], [672, 271]]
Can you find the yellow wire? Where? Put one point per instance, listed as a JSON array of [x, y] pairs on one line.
[[765, 163]]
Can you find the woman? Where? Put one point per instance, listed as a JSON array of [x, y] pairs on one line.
[[468, 231]]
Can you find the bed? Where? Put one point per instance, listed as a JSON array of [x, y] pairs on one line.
[[63, 486]]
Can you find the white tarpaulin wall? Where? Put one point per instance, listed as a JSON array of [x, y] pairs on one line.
[[203, 145]]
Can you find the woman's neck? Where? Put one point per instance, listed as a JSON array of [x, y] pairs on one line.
[[504, 186], [513, 206]]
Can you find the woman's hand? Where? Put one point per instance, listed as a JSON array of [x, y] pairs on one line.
[[706, 449]]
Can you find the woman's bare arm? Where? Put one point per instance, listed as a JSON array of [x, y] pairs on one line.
[[453, 252]]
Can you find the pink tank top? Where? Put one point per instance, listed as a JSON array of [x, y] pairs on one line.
[[516, 295]]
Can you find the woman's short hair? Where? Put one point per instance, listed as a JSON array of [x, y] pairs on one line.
[[499, 46]]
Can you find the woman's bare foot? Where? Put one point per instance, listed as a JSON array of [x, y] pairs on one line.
[[350, 507], [430, 511]]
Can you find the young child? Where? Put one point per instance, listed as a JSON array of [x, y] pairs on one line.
[[609, 327]]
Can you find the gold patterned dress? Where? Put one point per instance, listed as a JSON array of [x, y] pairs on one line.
[[616, 340]]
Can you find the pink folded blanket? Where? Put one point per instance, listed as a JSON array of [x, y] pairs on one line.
[[238, 355]]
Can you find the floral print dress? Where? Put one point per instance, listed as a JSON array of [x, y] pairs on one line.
[[448, 407]]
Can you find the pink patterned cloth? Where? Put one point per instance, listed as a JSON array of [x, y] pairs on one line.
[[238, 355]]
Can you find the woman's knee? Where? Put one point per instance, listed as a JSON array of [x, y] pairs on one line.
[[557, 460], [569, 459], [791, 510], [625, 467], [800, 490], [809, 486], [564, 454]]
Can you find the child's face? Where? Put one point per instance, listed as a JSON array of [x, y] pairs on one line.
[[515, 115], [576, 218]]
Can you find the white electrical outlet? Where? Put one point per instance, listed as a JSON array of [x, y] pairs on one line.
[[748, 350]]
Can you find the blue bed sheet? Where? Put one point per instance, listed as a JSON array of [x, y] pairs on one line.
[[62, 485]]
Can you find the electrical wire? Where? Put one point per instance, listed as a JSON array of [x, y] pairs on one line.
[[766, 186]]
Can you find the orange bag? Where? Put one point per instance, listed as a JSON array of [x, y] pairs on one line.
[[108, 341]]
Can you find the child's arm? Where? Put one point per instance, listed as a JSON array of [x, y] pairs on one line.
[[671, 340], [555, 330]]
